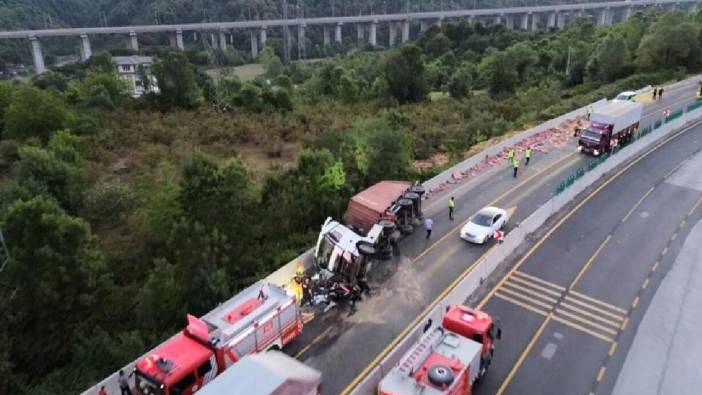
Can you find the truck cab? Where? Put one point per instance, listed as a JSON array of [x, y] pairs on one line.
[[611, 125]]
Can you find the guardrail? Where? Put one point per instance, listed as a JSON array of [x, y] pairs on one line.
[[470, 282]]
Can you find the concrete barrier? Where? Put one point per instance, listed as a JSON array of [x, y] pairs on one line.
[[483, 269]]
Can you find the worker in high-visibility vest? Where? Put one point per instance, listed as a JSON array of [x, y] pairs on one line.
[[452, 206], [515, 164], [527, 155], [589, 112], [510, 153]]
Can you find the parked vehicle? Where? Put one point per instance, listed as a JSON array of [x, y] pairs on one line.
[[268, 373], [262, 317], [448, 359], [482, 226], [626, 96], [614, 124]]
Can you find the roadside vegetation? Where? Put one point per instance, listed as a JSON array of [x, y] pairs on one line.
[[122, 215]]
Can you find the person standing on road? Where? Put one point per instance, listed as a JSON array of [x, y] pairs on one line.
[[510, 153], [452, 205], [589, 112], [527, 155], [655, 91], [428, 224], [660, 93], [102, 390], [515, 165], [124, 383]]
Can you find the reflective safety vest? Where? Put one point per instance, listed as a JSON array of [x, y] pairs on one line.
[[527, 153], [452, 203], [515, 163], [510, 153]]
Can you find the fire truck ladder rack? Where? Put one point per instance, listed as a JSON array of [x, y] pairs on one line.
[[421, 352], [4, 253]]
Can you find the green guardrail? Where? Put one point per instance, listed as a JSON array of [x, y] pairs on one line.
[[694, 105], [577, 174]]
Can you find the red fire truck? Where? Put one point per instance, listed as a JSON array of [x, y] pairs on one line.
[[262, 317], [448, 359]]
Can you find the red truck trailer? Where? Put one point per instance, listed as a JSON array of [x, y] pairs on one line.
[[449, 359], [614, 124], [260, 318], [268, 373]]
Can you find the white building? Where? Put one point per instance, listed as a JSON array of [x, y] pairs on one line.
[[128, 69]]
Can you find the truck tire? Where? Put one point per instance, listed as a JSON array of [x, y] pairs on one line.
[[365, 249], [405, 203], [386, 252], [418, 189], [388, 226], [440, 375], [406, 229]]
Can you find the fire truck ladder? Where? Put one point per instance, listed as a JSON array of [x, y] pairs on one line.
[[4, 253], [421, 351]]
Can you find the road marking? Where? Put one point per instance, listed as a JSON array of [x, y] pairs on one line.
[[523, 355], [539, 287], [645, 284], [314, 341], [638, 203], [635, 302], [597, 301], [665, 251], [581, 329], [589, 261], [674, 236], [518, 303], [527, 299], [673, 171], [692, 210], [626, 321], [562, 312], [601, 374], [612, 349], [539, 280], [591, 315], [655, 266], [682, 224], [571, 299]]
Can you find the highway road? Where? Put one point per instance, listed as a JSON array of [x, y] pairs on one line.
[[571, 304], [343, 346]]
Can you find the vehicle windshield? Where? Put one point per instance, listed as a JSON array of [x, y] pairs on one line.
[[481, 219], [623, 97], [591, 135], [147, 386]]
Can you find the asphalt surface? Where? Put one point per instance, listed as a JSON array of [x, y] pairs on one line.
[[341, 346], [571, 305]]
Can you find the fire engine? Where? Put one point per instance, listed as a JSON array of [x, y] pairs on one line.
[[262, 317], [448, 359]]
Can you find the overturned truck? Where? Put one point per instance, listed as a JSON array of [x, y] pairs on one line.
[[374, 221]]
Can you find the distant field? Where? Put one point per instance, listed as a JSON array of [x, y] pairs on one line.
[[246, 72]]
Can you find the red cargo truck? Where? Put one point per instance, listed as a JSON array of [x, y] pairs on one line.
[[612, 125]]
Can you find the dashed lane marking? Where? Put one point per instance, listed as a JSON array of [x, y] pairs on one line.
[[638, 203]]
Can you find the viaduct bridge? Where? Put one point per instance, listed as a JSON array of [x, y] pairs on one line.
[[367, 26]]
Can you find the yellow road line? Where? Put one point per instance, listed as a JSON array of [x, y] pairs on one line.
[[513, 286], [626, 321], [562, 312], [523, 355], [539, 280], [665, 251], [597, 301], [673, 170], [635, 302], [612, 349], [601, 373], [674, 236], [589, 261], [582, 329], [528, 299], [591, 315], [692, 210], [592, 307], [682, 224], [645, 284], [314, 341], [655, 266], [518, 303], [537, 286], [638, 203]]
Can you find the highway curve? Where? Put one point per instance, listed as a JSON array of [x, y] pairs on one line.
[[571, 305], [344, 347]]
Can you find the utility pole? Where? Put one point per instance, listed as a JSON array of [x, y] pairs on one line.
[[300, 43], [286, 34], [567, 72], [4, 253]]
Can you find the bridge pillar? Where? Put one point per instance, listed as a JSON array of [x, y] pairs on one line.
[[337, 32], [422, 25], [372, 34], [498, 19], [37, 55], [359, 32], [222, 40], [605, 17], [535, 22], [133, 42], [405, 30], [509, 21], [628, 12], [440, 21], [392, 32], [552, 19], [179, 39], [264, 35], [85, 51], [525, 22], [327, 40], [301, 38], [254, 45], [560, 20]]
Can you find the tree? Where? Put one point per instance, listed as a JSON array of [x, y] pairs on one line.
[[33, 113], [101, 62], [381, 153], [176, 81], [43, 174], [499, 72], [51, 279], [460, 84], [272, 65], [404, 71], [609, 60], [668, 44], [6, 92]]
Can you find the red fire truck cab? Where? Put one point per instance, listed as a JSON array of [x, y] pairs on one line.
[[262, 317], [448, 359]]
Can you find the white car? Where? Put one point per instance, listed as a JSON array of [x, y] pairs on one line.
[[625, 96], [483, 225]]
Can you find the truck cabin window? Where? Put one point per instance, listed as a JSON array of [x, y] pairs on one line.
[[147, 386], [591, 135]]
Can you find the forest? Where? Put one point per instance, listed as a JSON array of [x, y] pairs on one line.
[[121, 215]]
